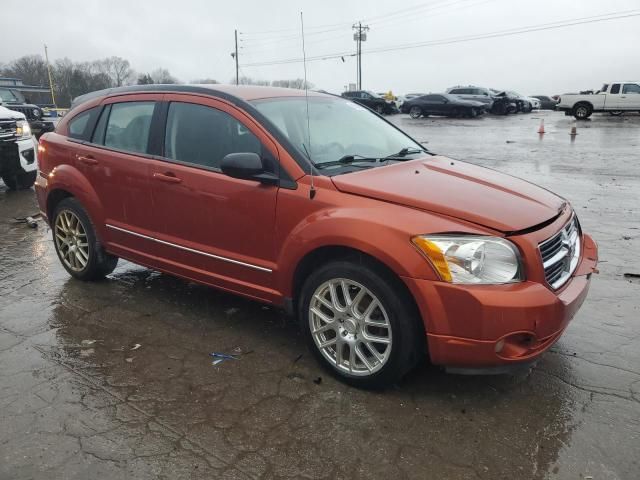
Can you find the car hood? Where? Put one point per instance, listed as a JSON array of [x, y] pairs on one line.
[[457, 189], [6, 113]]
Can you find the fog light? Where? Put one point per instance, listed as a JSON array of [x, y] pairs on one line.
[[499, 345]]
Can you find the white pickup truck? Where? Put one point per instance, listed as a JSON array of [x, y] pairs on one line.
[[18, 150], [615, 98]]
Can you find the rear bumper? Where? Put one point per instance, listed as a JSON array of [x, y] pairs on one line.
[[495, 326]]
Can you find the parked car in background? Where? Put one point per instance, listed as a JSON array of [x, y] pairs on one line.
[[442, 104], [546, 102], [535, 103], [385, 252], [14, 100], [503, 103], [371, 100], [615, 98], [408, 96], [473, 93], [520, 102], [18, 150]]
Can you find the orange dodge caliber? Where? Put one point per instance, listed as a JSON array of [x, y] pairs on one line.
[[384, 251]]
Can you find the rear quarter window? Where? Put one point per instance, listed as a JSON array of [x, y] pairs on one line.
[[81, 126]]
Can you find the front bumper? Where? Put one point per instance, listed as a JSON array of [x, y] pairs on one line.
[[493, 326], [18, 156]]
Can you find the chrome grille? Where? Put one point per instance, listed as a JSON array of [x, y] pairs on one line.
[[7, 130], [561, 253]]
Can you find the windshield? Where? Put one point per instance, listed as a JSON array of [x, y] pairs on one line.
[[338, 128], [8, 96]]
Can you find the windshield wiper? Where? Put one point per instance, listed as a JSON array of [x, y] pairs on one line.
[[348, 160], [403, 153]]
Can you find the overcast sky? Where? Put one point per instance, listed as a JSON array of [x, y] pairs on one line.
[[194, 38]]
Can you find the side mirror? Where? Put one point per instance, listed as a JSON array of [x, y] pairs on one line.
[[247, 166]]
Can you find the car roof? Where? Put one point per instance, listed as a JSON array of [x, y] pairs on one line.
[[244, 93]]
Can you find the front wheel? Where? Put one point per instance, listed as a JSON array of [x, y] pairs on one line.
[[76, 243], [359, 324], [415, 112], [20, 181]]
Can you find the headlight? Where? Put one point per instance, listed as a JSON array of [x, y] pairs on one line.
[[36, 112], [23, 130], [472, 259]]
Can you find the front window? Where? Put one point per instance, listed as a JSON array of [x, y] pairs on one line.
[[338, 129], [202, 136], [8, 96]]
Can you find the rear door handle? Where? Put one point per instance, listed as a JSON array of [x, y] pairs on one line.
[[167, 177], [87, 159]]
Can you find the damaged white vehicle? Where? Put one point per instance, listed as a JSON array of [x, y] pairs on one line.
[[18, 151]]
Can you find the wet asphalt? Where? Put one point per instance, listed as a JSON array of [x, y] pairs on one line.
[[113, 380]]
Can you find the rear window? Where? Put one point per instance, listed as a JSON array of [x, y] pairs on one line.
[[128, 126], [631, 88], [81, 126]]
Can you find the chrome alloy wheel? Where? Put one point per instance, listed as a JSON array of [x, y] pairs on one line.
[[350, 327], [71, 240]]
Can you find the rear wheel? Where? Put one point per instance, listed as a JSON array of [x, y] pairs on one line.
[[359, 324], [76, 243], [582, 111], [616, 113], [20, 181], [415, 112]]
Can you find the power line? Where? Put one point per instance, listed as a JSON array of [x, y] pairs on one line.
[[452, 40]]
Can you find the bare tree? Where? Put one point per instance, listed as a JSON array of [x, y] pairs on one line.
[[31, 69], [251, 81], [295, 83], [117, 69], [162, 75], [206, 81]]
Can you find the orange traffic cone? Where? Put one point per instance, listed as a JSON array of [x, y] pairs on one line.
[[541, 129], [574, 130]]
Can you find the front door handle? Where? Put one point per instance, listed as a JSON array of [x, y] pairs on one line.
[[87, 159], [167, 177]]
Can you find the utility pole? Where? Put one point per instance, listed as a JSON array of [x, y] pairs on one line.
[[235, 55], [53, 97], [360, 36]]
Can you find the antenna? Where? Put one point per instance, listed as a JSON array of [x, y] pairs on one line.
[[312, 190]]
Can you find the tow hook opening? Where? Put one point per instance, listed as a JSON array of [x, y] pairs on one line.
[[516, 345]]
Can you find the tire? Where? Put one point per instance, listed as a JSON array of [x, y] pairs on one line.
[[343, 329], [21, 181], [582, 111], [528, 108], [379, 109], [616, 113], [76, 243], [415, 112]]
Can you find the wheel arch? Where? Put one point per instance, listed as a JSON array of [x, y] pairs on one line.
[[321, 255], [66, 181]]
